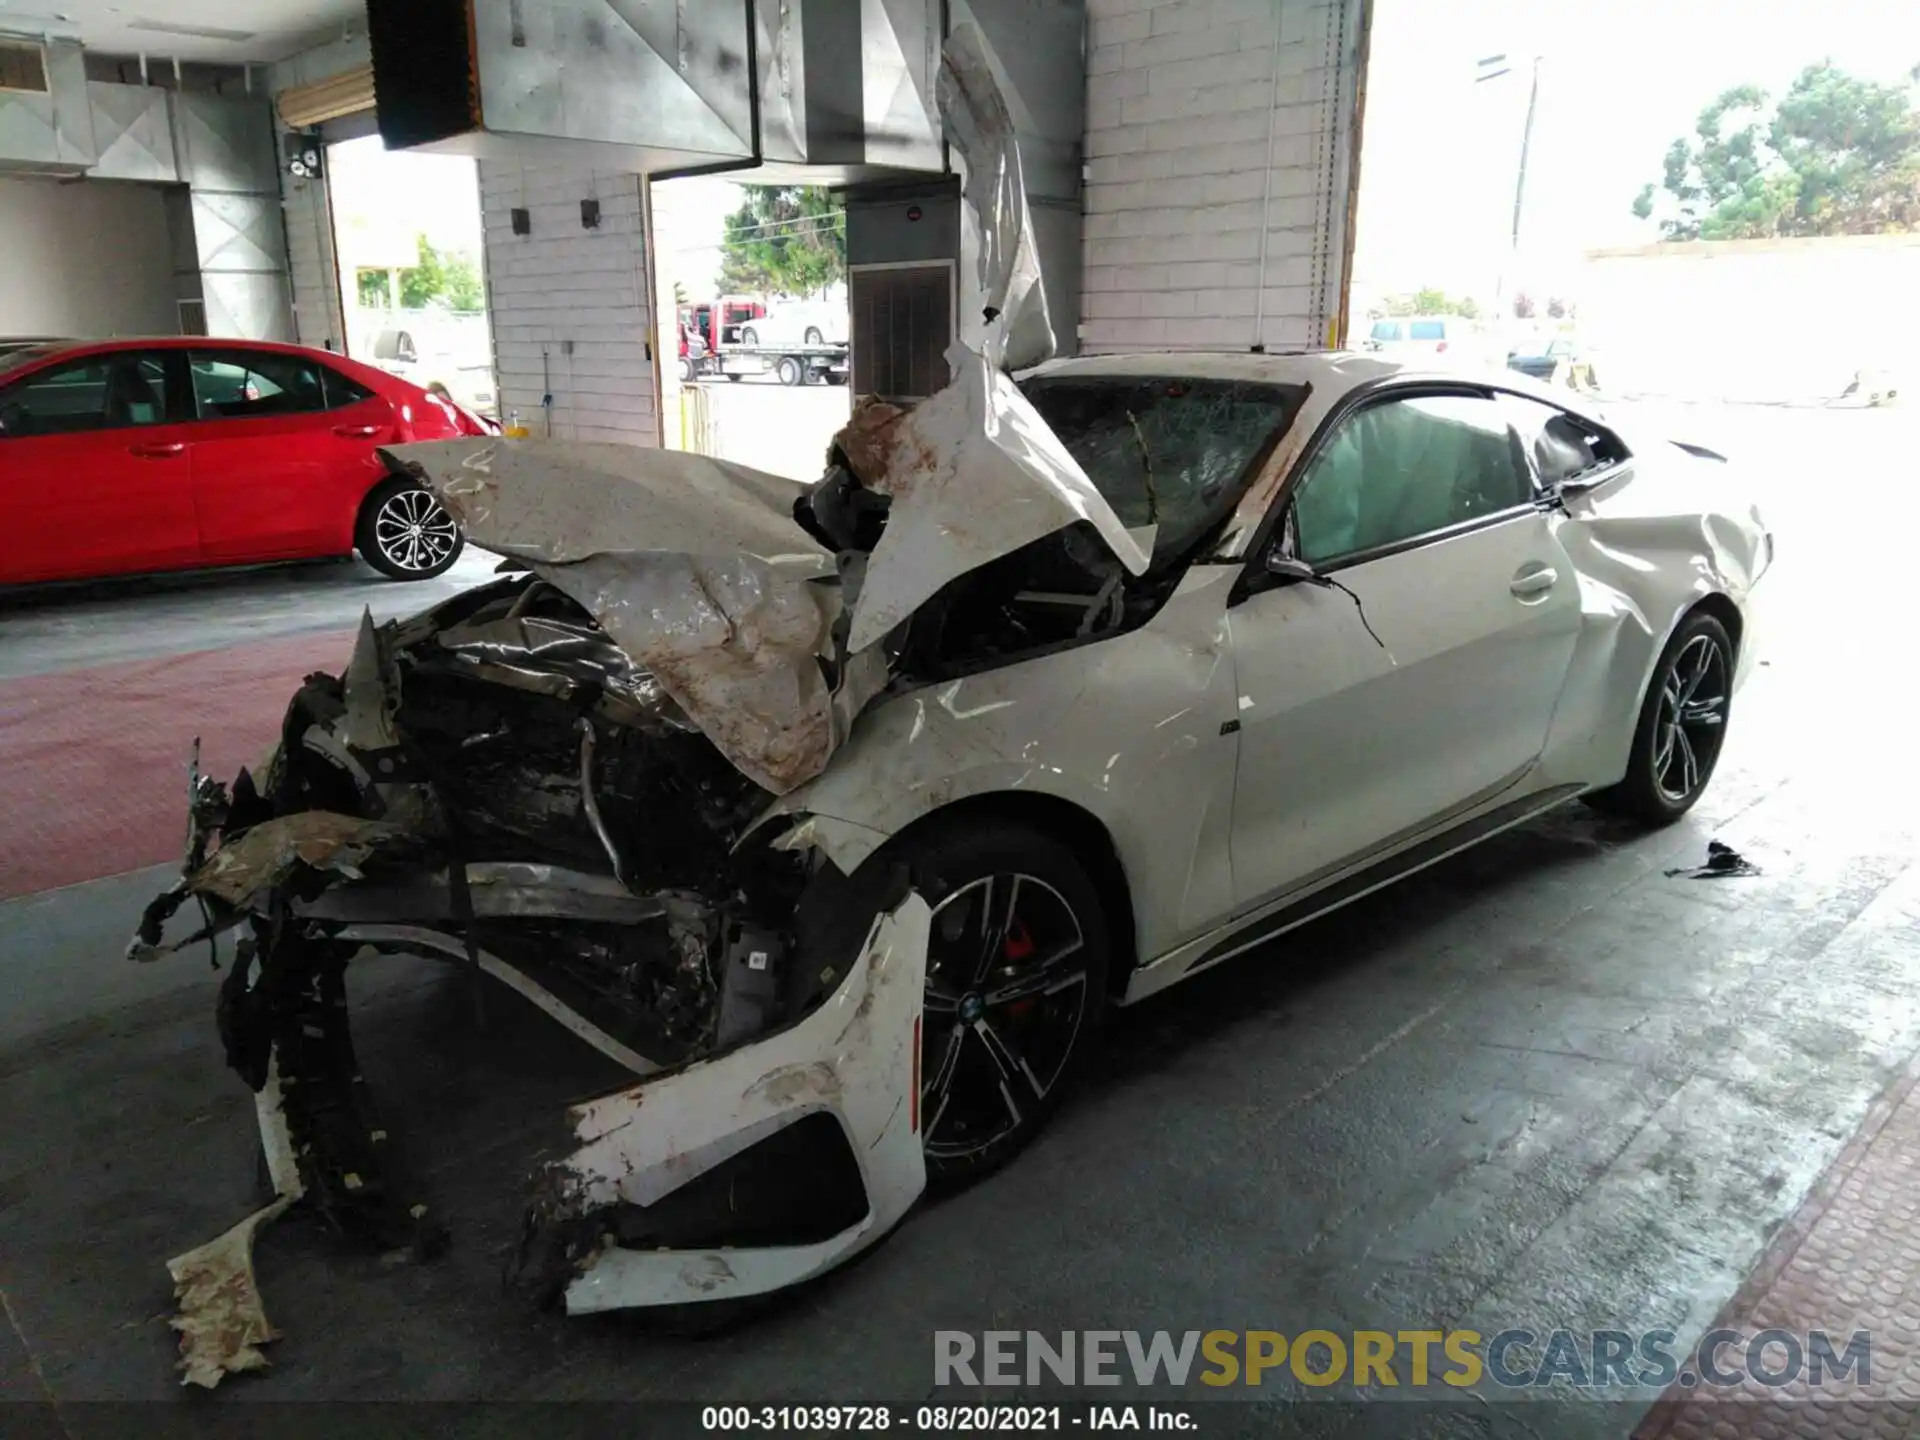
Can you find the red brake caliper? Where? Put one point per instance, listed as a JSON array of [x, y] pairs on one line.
[[1018, 946]]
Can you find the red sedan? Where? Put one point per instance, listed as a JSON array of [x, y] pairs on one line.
[[123, 456]]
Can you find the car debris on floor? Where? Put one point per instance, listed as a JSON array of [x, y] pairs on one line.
[[1723, 862], [567, 779]]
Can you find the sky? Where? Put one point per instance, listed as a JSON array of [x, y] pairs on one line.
[[383, 199], [1619, 80]]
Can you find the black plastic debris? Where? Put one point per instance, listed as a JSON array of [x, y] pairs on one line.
[[1722, 861]]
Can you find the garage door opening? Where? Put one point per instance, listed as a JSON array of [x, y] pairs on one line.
[[754, 320], [407, 232]]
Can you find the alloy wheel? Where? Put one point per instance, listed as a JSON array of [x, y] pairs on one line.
[[1692, 719], [414, 531], [1007, 992]]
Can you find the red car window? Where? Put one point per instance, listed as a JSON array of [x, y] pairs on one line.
[[96, 392]]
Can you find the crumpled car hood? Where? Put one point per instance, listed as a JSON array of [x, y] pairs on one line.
[[694, 567], [697, 568]]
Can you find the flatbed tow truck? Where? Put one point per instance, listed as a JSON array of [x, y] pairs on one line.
[[792, 364]]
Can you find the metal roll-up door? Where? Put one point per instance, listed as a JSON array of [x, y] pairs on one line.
[[303, 107]]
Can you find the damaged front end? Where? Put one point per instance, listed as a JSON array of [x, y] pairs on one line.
[[497, 784]]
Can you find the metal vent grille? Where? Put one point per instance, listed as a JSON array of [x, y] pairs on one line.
[[23, 67], [902, 325]]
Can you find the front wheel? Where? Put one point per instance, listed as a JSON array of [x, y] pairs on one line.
[[1682, 727], [749, 336], [813, 336], [405, 533], [1017, 962]]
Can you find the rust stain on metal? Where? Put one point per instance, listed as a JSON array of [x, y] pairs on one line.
[[267, 853], [867, 439]]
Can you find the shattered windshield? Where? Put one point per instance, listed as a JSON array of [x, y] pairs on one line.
[[1164, 450]]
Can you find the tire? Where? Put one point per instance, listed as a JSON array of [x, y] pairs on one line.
[[994, 1070], [1660, 784], [686, 371], [813, 336], [749, 336], [404, 533], [734, 377], [790, 370]]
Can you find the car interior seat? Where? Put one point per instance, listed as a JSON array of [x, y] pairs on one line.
[[129, 397]]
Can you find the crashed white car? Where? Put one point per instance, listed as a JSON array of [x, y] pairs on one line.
[[1382, 615], [838, 813]]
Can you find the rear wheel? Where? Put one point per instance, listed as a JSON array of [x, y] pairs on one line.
[[1682, 727], [789, 370], [749, 336], [686, 369], [813, 335], [405, 533], [1016, 986]]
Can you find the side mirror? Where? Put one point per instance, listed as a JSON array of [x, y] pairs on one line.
[[1285, 567]]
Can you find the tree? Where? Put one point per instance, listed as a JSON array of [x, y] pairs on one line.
[[370, 289], [1522, 305], [784, 240], [1838, 156], [442, 277], [1431, 301]]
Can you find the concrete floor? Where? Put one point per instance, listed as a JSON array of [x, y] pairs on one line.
[[1543, 1085]]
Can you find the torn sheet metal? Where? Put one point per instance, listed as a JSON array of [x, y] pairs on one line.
[[855, 1057], [978, 123], [694, 568], [974, 473], [221, 1320], [269, 852], [558, 501]]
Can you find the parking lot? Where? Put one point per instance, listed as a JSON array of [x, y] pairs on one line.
[[1545, 1082]]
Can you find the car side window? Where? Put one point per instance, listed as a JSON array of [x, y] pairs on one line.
[[100, 392], [339, 391], [1561, 446], [1403, 468], [233, 385]]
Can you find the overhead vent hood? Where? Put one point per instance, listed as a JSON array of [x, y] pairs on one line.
[[664, 85]]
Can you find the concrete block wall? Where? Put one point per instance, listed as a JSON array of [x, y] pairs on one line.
[[570, 305], [311, 262], [1210, 124]]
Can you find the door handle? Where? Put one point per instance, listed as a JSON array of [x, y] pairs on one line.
[[158, 451], [356, 432], [1537, 581]]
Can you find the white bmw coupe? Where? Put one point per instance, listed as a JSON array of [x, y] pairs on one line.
[[837, 814]]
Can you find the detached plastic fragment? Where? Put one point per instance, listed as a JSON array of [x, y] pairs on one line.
[[1723, 862], [856, 1058], [221, 1320]]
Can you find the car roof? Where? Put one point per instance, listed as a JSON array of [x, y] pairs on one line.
[[180, 342], [1342, 369]]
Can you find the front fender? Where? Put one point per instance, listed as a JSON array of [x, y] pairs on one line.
[[1134, 730]]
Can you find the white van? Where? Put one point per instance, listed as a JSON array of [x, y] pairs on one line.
[[1423, 336]]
